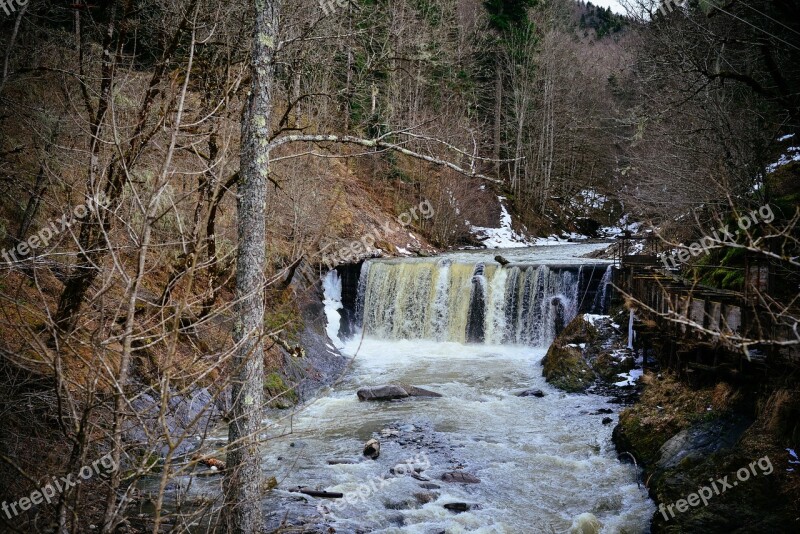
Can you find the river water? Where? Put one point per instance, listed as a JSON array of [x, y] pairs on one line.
[[544, 464]]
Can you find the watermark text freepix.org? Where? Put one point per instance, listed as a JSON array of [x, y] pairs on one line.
[[717, 487], [58, 485], [723, 235], [10, 6], [359, 247], [43, 237], [418, 463]]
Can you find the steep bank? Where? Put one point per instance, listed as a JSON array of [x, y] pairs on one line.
[[718, 455], [690, 436]]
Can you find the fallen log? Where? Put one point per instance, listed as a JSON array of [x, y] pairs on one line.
[[317, 493]]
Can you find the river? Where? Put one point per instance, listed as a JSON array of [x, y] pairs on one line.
[[543, 463]]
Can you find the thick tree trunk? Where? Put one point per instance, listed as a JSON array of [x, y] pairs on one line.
[[243, 483]]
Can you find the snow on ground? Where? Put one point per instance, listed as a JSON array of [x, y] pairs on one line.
[[785, 137], [589, 199], [620, 227], [592, 317], [629, 377], [503, 237], [792, 154]]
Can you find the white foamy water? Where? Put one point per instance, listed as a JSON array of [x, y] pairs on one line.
[[542, 461]]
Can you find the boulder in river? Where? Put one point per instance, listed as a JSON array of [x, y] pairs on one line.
[[378, 393], [460, 477], [392, 392], [414, 391], [459, 507], [424, 497], [531, 393], [372, 449]]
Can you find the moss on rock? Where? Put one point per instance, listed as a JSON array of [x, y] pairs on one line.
[[278, 394], [565, 368]]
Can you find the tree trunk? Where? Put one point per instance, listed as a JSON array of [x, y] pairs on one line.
[[243, 482], [498, 118]]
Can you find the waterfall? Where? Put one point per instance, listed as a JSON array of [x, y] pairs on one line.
[[600, 304], [332, 287], [443, 300], [631, 332]]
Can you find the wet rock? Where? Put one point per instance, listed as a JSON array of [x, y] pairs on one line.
[[607, 420], [531, 393], [393, 392], [460, 477], [424, 497], [405, 504], [185, 414], [702, 440], [380, 393], [501, 260], [459, 507], [429, 485], [414, 391], [602, 411], [372, 449], [565, 368]]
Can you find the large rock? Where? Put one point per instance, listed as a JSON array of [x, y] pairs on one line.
[[186, 414], [565, 368], [372, 449], [702, 440], [460, 477], [381, 393], [414, 391], [393, 392]]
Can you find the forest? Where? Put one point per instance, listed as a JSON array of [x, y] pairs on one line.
[[220, 219]]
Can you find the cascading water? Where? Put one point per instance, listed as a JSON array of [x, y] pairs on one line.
[[544, 464], [600, 304], [465, 302]]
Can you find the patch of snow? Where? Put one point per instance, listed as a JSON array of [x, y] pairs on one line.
[[785, 137], [793, 455], [630, 377], [553, 239], [792, 154], [592, 317], [403, 251], [589, 199], [622, 225], [503, 237]]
